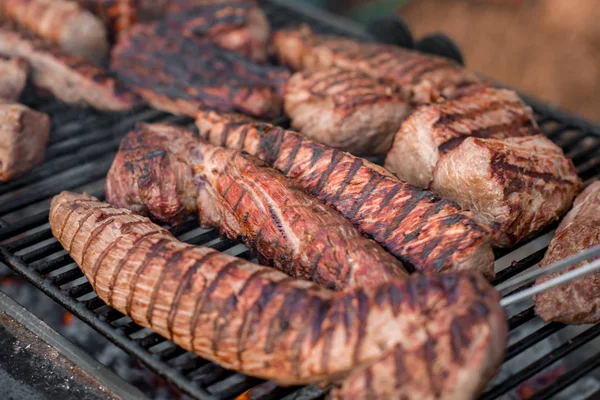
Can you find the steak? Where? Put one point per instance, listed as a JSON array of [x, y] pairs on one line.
[[164, 171], [237, 25], [120, 15], [182, 75], [445, 333], [577, 302], [71, 79], [422, 230], [13, 77], [344, 109], [423, 78], [63, 23], [486, 152], [23, 136]]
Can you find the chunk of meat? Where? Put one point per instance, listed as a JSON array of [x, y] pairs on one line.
[[23, 136], [71, 79], [182, 75], [346, 110], [13, 77], [415, 225], [577, 302], [164, 171], [63, 23], [448, 330]]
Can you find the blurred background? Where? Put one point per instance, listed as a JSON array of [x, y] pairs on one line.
[[546, 48]]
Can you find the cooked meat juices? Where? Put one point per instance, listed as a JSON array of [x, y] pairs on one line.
[[120, 15], [13, 77], [164, 171], [237, 25], [23, 136], [346, 110], [445, 334], [182, 74], [415, 225], [577, 302], [63, 23], [423, 78], [486, 152], [70, 78]]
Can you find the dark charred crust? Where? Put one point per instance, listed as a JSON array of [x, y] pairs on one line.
[[395, 299], [513, 130], [458, 340], [389, 196], [371, 185], [221, 323], [317, 151], [292, 156], [317, 321], [431, 245], [361, 318], [336, 157], [170, 263], [271, 139], [403, 212]]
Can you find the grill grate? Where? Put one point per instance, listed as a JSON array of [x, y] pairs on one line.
[[81, 149]]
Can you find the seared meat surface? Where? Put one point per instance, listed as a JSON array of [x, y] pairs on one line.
[[63, 23], [423, 78], [120, 15], [164, 171], [13, 77], [236, 25], [23, 136], [444, 333], [485, 152], [70, 78], [346, 110], [415, 225], [181, 74], [577, 302]]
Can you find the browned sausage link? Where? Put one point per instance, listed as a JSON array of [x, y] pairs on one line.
[[415, 225], [261, 322], [164, 171]]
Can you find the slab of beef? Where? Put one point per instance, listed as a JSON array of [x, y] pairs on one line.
[[344, 109], [13, 77], [63, 23], [237, 25], [182, 74], [71, 79], [164, 171], [120, 15], [577, 302], [23, 136], [485, 152], [415, 225], [444, 335], [423, 78]]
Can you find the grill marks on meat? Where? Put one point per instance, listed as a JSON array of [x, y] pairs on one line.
[[485, 151], [62, 23], [70, 78], [422, 78], [182, 75], [577, 302], [415, 225], [291, 331], [346, 110], [163, 170], [13, 77], [23, 136], [236, 25]]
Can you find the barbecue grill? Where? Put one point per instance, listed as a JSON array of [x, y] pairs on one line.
[[80, 152]]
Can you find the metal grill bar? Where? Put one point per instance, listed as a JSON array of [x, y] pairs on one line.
[[82, 146]]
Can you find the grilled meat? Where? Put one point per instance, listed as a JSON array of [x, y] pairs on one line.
[[13, 77], [261, 322], [62, 23], [23, 136], [485, 152], [237, 25], [415, 225], [577, 302], [120, 15], [70, 78], [423, 78], [183, 74], [164, 171], [346, 110]]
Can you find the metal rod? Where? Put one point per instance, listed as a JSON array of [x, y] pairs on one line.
[[582, 271]]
